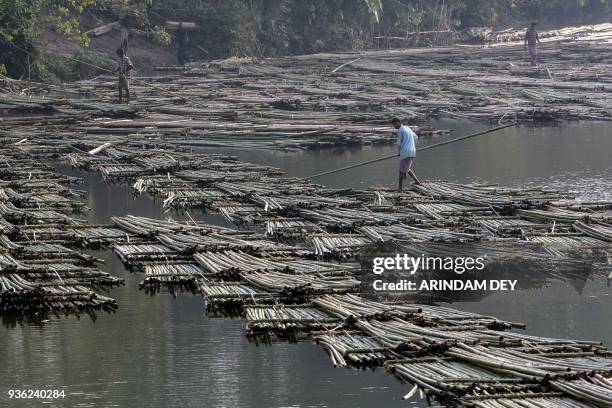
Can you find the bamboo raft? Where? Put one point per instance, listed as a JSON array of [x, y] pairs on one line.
[[246, 274], [297, 284], [42, 271], [290, 269], [303, 102], [243, 272]]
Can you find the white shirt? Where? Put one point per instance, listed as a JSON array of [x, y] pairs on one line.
[[406, 140]]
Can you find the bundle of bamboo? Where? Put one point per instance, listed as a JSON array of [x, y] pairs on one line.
[[283, 320], [295, 285], [359, 350]]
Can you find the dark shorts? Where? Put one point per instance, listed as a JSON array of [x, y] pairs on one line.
[[405, 165]]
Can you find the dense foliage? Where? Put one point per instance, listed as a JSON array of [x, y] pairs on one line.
[[21, 32], [270, 27]]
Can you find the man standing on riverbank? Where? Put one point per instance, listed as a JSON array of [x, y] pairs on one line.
[[124, 68], [406, 140], [532, 40]]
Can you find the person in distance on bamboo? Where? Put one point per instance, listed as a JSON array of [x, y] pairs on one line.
[[406, 141], [532, 40], [124, 68]]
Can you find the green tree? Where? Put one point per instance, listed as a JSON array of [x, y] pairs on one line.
[[22, 24]]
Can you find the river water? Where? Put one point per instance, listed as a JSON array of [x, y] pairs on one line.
[[161, 351]]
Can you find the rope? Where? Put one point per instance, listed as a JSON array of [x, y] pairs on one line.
[[352, 166]]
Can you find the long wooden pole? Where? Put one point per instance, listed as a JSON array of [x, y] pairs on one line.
[[352, 166]]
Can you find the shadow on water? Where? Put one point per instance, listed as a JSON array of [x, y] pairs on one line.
[[160, 351]]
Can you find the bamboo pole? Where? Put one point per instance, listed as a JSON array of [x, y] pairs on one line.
[[420, 150]]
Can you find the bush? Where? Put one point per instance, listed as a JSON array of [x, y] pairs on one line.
[[159, 35]]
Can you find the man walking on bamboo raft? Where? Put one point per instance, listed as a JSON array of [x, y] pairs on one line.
[[532, 40], [124, 68], [406, 140]]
